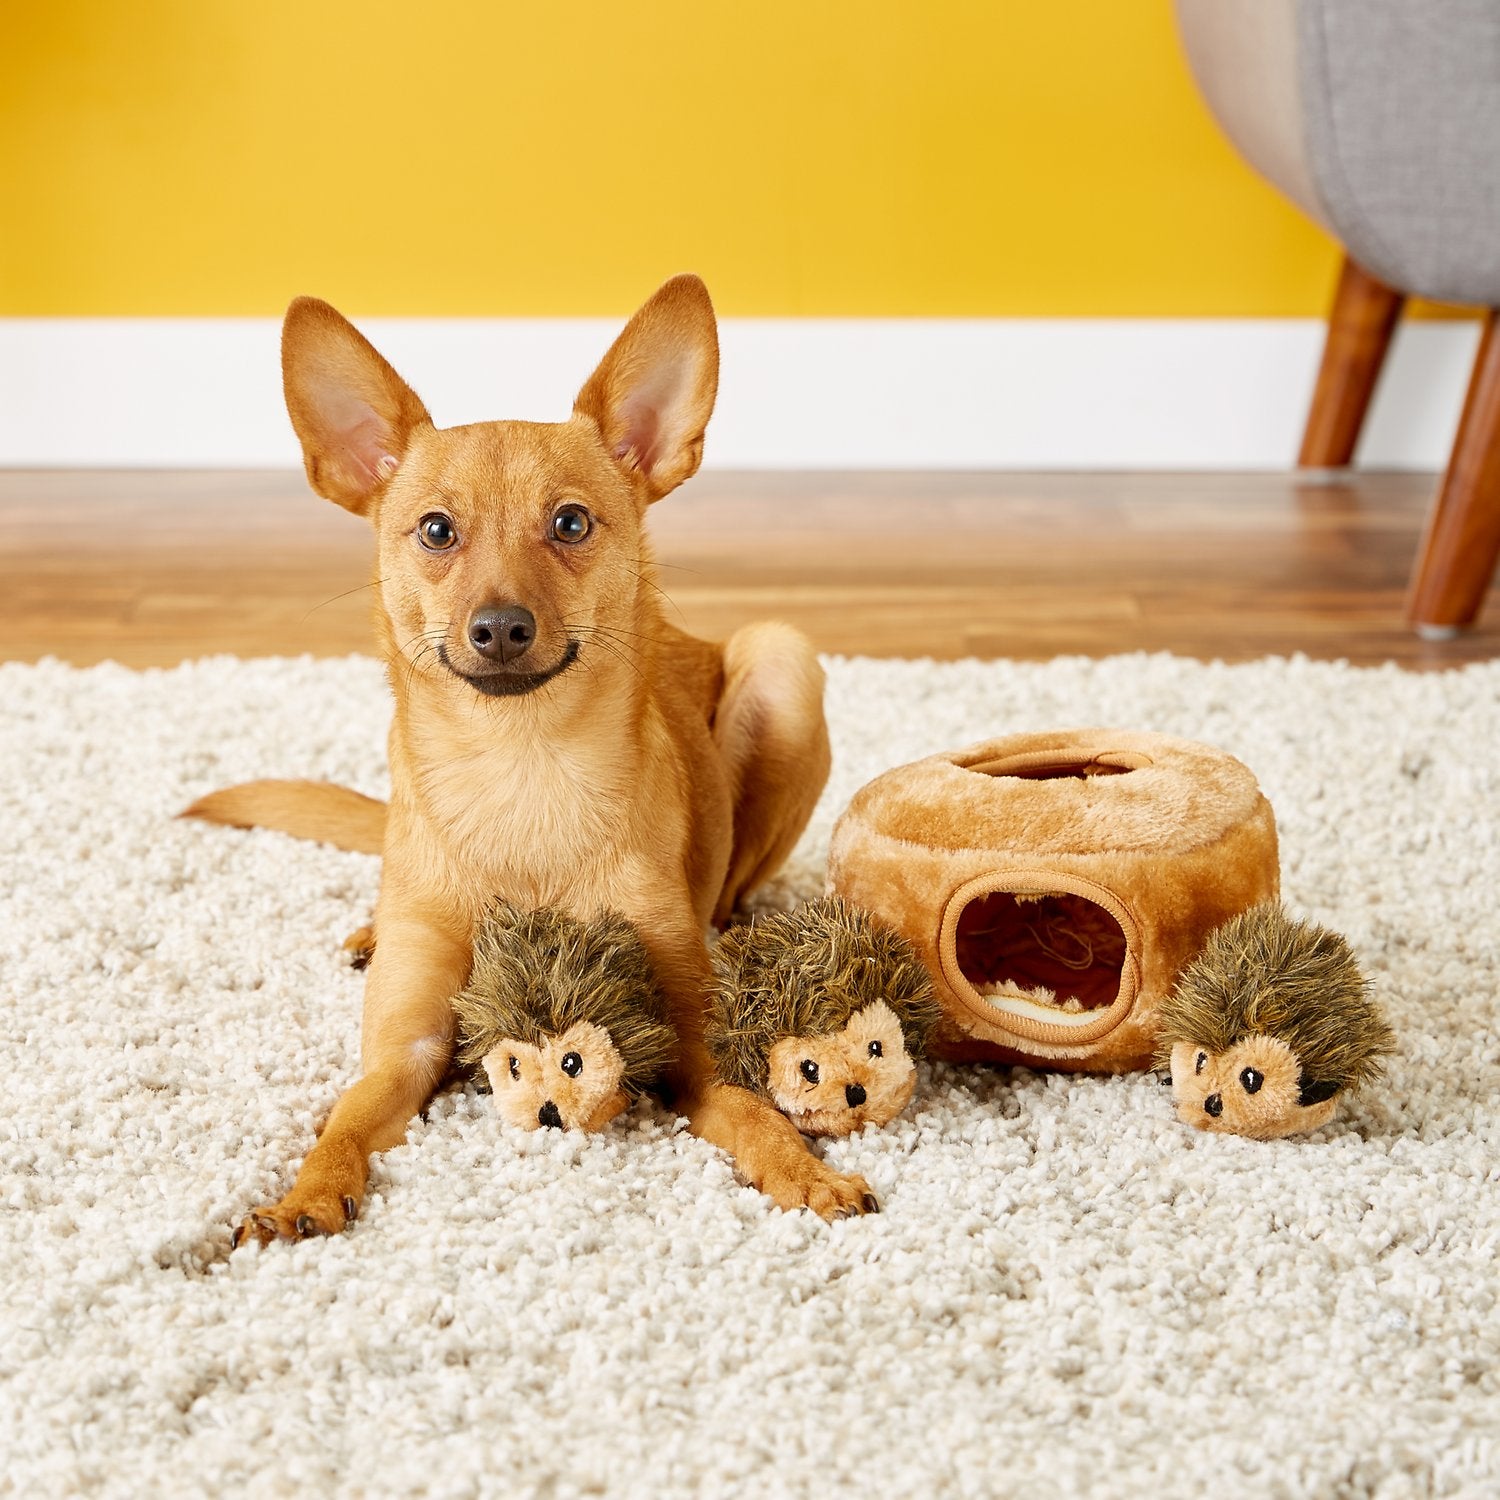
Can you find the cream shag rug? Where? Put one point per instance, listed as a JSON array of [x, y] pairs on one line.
[[1068, 1292]]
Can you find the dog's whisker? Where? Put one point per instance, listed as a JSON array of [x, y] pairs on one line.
[[593, 673], [374, 583], [436, 632], [632, 640], [619, 655], [616, 637], [619, 630], [665, 596], [433, 638], [616, 653], [430, 649], [629, 648]]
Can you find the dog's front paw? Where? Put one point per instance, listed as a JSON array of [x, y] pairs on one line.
[[299, 1216], [360, 946], [771, 1154], [810, 1183]]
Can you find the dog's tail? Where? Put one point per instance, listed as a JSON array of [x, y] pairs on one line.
[[305, 809]]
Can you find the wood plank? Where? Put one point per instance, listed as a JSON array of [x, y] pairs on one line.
[[152, 568]]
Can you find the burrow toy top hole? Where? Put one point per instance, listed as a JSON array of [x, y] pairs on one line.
[[1045, 767]]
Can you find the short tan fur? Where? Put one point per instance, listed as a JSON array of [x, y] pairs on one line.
[[607, 761]]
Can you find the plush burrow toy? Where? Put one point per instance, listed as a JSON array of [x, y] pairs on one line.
[[824, 1009], [564, 1017], [1269, 1026], [1057, 883]]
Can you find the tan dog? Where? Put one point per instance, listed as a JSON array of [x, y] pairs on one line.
[[556, 740]]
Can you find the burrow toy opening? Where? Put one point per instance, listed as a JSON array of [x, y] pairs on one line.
[[1051, 955]]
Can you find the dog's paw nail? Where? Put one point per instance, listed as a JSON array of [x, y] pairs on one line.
[[236, 1236], [265, 1226], [351, 1210], [305, 1225], [870, 1203], [847, 1211]]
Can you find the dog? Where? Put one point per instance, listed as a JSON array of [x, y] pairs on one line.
[[556, 740]]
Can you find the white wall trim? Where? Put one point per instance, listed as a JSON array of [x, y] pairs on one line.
[[796, 393]]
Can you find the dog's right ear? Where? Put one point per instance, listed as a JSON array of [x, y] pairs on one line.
[[353, 414]]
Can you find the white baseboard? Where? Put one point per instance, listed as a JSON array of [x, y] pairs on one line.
[[795, 393]]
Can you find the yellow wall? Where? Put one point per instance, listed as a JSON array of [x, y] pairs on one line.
[[464, 157]]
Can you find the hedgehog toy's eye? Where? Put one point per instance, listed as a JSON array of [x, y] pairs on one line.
[[1202, 1058], [1251, 1080], [876, 1050], [515, 1068], [809, 1070], [572, 1064]]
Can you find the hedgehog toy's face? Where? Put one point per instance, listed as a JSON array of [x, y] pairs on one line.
[[839, 1082], [571, 1081], [1255, 1088]]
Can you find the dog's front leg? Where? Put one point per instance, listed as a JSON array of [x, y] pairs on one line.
[[772, 1155], [407, 1041], [768, 1150]]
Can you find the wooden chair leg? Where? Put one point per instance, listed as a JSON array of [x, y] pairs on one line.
[[1364, 316], [1462, 544]]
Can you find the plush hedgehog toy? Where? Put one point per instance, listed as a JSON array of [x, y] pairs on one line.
[[1268, 1026], [565, 1017], [826, 1011]]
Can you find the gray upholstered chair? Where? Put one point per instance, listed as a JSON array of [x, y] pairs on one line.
[[1381, 119]]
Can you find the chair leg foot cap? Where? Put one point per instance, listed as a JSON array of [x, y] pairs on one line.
[[1438, 632]]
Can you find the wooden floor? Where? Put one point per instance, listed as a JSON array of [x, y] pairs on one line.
[[150, 568]]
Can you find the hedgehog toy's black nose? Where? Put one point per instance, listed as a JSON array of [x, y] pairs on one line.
[[855, 1094], [550, 1116], [1214, 1105]]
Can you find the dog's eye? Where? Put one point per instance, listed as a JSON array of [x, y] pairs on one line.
[[1251, 1080], [572, 1064], [876, 1050], [1202, 1058], [515, 1068], [810, 1070], [571, 524], [436, 532]]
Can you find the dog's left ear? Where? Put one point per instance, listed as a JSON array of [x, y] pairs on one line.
[[653, 393]]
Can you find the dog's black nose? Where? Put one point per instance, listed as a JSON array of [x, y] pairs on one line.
[[855, 1094], [1214, 1104], [502, 634], [548, 1115]]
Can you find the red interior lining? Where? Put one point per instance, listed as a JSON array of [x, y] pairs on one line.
[[1067, 943]]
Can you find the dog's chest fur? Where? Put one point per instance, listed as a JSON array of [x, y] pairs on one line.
[[550, 823]]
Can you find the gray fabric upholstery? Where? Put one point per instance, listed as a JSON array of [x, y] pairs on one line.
[[1401, 102], [1380, 118], [1243, 54]]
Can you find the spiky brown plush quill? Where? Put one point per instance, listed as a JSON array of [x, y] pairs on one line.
[[805, 973], [537, 973], [1268, 973]]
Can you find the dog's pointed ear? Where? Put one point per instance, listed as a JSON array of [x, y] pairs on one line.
[[653, 393], [353, 414]]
